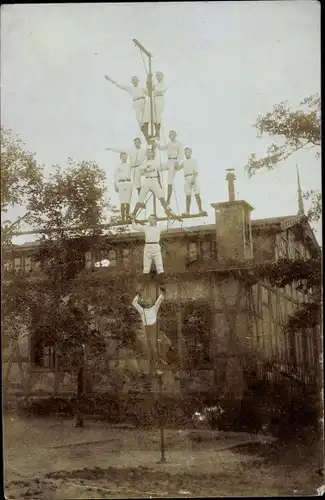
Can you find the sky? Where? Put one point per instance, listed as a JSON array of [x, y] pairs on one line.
[[224, 64]]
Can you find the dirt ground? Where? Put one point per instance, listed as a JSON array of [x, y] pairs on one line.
[[51, 459]]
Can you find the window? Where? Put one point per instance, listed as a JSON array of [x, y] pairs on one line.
[[296, 254], [88, 260], [43, 356], [284, 247], [28, 264], [112, 258], [206, 250], [192, 252], [126, 257], [17, 263], [265, 295], [98, 257]]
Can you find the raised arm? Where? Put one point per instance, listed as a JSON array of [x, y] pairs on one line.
[[122, 87], [115, 150], [136, 304], [137, 227], [158, 302]]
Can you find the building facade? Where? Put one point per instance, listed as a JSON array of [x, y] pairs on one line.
[[214, 310]]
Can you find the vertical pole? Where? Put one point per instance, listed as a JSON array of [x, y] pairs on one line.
[[160, 385], [180, 339], [149, 87]]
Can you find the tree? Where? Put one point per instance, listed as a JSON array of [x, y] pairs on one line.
[[294, 130], [68, 209], [72, 204], [21, 177]]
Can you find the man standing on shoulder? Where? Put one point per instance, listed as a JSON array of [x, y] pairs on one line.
[[191, 183], [137, 156]]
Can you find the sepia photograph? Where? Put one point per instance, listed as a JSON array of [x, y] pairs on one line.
[[161, 249]]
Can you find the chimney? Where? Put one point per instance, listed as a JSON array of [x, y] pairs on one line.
[[230, 177], [233, 226]]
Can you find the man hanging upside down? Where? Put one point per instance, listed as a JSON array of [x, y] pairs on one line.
[[151, 183], [152, 250], [191, 184], [123, 185]]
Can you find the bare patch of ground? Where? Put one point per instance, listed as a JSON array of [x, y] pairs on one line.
[[53, 460]]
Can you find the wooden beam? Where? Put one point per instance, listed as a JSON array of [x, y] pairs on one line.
[[165, 218], [141, 47], [70, 228]]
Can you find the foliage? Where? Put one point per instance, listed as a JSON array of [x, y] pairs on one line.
[[315, 209], [304, 272], [72, 204], [67, 208], [300, 129], [297, 129], [21, 176], [71, 200], [17, 300]]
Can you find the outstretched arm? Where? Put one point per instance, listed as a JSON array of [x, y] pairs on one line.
[[136, 304], [122, 87], [158, 302], [115, 150], [137, 227]]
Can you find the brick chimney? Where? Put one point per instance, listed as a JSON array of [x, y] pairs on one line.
[[233, 226]]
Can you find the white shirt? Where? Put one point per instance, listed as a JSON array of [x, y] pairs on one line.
[[189, 166], [123, 171], [135, 92], [174, 149], [150, 164], [152, 233], [160, 88], [148, 315], [137, 156]]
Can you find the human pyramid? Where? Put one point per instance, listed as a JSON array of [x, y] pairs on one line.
[[139, 166]]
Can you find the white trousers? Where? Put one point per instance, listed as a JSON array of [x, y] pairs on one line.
[[159, 105], [141, 109], [137, 177], [125, 191], [152, 252], [150, 184], [170, 166], [190, 187]]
